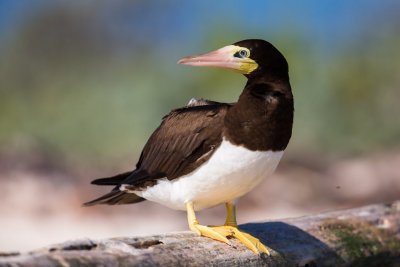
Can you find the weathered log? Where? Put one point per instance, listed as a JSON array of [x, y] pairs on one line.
[[365, 236]]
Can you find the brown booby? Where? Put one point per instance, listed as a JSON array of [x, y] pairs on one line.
[[208, 153]]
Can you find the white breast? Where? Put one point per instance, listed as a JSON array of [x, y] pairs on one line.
[[231, 172]]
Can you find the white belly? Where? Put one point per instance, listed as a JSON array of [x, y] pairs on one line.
[[231, 172]]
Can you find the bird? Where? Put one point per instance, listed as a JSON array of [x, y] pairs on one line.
[[209, 153]]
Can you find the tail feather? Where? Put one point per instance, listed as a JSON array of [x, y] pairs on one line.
[[115, 197], [114, 180]]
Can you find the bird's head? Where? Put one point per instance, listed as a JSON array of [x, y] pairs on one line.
[[253, 58]]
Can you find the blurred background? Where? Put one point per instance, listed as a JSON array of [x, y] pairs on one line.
[[84, 83]]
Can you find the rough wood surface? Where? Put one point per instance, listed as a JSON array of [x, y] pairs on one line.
[[366, 236]]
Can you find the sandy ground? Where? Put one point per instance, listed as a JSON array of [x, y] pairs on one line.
[[37, 209]]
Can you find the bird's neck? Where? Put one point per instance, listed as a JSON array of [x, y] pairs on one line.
[[262, 118]]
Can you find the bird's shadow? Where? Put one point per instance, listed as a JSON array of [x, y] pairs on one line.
[[296, 246]]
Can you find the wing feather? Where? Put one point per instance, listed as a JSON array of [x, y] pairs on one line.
[[186, 138]]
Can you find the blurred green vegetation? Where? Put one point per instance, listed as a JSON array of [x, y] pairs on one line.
[[70, 88]]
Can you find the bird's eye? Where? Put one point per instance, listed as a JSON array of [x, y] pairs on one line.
[[243, 53]]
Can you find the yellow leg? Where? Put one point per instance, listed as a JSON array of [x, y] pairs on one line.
[[231, 214], [228, 230], [231, 227], [201, 229]]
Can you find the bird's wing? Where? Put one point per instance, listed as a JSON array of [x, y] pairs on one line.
[[186, 138]]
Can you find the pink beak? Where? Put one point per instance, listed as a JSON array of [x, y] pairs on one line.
[[221, 58]]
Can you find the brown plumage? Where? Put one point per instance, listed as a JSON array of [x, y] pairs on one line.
[[186, 138]]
